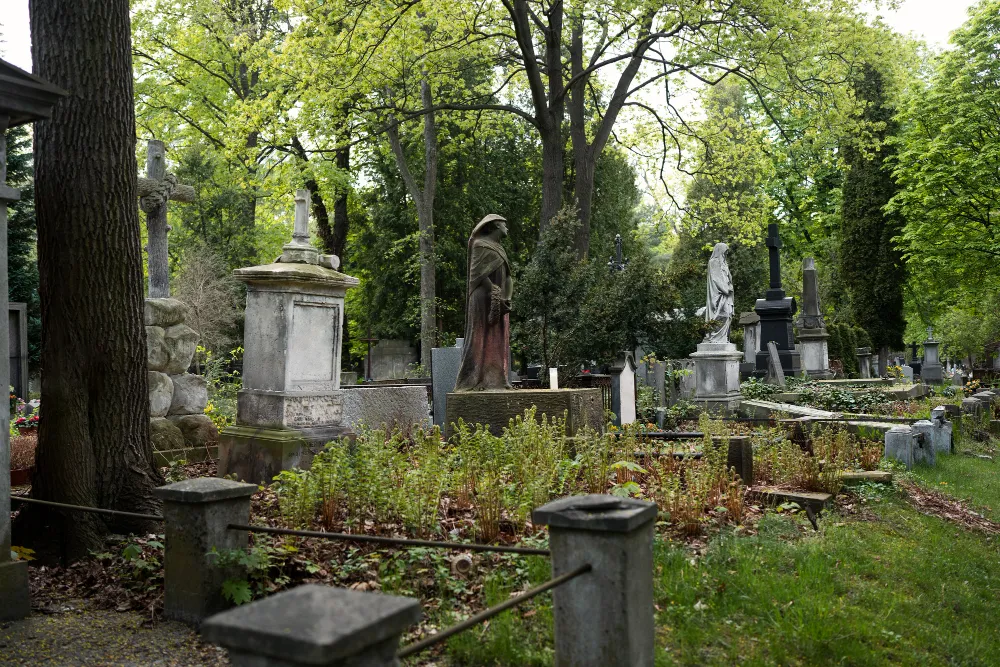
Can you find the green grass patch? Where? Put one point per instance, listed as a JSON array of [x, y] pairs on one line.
[[901, 589]]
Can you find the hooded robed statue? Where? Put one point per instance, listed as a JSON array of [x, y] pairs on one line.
[[720, 295], [486, 354]]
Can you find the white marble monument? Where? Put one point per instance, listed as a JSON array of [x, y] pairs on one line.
[[291, 398], [717, 361]]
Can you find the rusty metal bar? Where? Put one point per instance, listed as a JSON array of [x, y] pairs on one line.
[[81, 508], [396, 541], [487, 614]]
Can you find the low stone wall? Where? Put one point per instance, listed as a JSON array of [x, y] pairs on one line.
[[582, 407], [402, 407]]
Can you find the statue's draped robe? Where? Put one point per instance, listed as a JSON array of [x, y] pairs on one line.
[[720, 298], [486, 353]]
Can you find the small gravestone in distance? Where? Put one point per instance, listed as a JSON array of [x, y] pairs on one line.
[[776, 372]]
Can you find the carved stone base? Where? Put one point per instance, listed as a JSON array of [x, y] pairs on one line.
[[257, 454], [813, 354], [582, 407], [717, 377]]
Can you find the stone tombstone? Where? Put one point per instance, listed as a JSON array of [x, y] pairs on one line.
[[907, 373], [623, 390], [931, 371], [751, 343], [813, 337], [17, 339], [776, 312], [24, 98], [775, 371], [444, 373], [942, 435], [392, 359], [864, 355], [717, 361], [291, 398]]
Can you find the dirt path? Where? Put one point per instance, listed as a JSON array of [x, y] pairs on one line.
[[78, 633]]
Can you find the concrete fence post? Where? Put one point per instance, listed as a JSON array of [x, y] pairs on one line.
[[603, 618], [314, 625], [197, 513]]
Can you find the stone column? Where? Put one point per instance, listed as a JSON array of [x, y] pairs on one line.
[[314, 625], [717, 376], [603, 618], [14, 600], [864, 355], [198, 513]]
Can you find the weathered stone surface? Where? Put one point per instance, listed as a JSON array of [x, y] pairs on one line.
[[190, 394], [444, 372], [604, 618], [257, 454], [161, 392], [157, 355], [873, 476], [14, 590], [165, 435], [198, 430], [774, 496], [281, 409], [315, 625], [717, 376], [181, 342], [583, 407], [400, 408], [197, 515], [164, 312], [905, 444]]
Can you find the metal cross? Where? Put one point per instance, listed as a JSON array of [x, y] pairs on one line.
[[773, 246]]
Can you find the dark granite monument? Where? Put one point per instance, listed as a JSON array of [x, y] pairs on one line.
[[776, 312]]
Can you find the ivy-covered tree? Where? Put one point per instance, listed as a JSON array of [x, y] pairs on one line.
[[872, 267]]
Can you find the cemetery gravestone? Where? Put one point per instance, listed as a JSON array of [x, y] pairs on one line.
[[623, 390], [24, 98], [444, 373], [864, 355], [931, 371], [751, 344], [776, 311], [776, 372], [291, 398], [812, 328], [154, 191]]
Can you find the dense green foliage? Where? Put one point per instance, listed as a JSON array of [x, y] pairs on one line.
[[22, 267], [871, 266]]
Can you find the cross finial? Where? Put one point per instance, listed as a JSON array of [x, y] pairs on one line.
[[773, 240], [300, 234]]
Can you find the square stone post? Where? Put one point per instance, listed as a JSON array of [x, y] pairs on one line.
[[603, 618], [314, 625], [198, 513]]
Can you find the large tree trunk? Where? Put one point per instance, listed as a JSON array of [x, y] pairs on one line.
[[94, 446], [552, 173], [424, 201], [341, 225]]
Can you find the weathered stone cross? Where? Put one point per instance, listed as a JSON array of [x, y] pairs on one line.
[[154, 191]]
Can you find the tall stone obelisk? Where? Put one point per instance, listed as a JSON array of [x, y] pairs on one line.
[[812, 328]]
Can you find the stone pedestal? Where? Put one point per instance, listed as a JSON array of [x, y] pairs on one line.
[[445, 362], [604, 618], [931, 371], [812, 349], [495, 409], [717, 376], [291, 396], [776, 314], [197, 513], [864, 355], [315, 625]]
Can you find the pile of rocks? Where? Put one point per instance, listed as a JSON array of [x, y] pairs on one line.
[[177, 399]]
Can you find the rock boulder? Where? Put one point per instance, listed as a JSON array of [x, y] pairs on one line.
[[181, 342], [164, 312], [165, 435], [190, 395], [161, 393], [198, 430]]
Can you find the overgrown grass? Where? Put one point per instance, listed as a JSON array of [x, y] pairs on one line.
[[901, 589]]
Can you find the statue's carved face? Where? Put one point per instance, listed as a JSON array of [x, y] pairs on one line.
[[501, 228]]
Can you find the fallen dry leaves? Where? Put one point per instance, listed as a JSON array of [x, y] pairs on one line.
[[935, 503]]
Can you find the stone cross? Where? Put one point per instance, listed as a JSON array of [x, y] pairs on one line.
[[299, 250], [773, 246], [154, 191]]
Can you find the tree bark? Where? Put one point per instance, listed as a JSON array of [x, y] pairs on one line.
[[93, 446], [424, 201], [341, 225]]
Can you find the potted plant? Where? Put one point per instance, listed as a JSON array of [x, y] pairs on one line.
[[27, 425], [22, 459]]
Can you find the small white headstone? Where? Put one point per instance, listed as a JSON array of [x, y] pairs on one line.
[[553, 378]]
